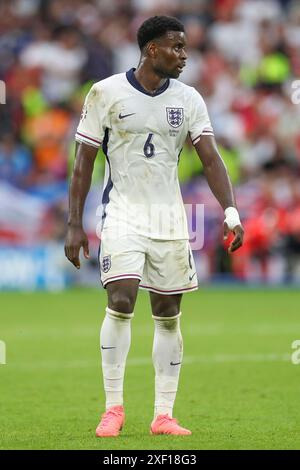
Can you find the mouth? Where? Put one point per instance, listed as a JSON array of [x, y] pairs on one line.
[[181, 66]]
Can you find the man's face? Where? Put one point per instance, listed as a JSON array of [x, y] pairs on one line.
[[169, 54]]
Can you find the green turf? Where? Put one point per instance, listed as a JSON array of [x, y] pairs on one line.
[[238, 388]]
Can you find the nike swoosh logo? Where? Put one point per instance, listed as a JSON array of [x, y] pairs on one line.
[[174, 363], [191, 277], [109, 347], [125, 115]]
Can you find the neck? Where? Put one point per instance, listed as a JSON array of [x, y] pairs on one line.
[[148, 78]]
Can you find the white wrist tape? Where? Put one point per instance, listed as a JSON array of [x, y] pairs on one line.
[[232, 217]]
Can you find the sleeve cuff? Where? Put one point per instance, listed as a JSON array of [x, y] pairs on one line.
[[81, 137], [206, 131]]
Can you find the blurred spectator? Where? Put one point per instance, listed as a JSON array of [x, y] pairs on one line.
[[243, 58], [15, 161], [46, 134], [60, 60]]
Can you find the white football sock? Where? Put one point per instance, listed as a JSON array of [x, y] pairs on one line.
[[115, 337], [167, 357]]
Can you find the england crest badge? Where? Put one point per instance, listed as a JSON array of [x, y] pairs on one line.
[[175, 116], [106, 263]]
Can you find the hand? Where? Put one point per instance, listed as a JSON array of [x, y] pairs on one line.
[[237, 242], [75, 239]]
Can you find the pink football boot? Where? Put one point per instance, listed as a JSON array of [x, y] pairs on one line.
[[163, 424], [111, 422]]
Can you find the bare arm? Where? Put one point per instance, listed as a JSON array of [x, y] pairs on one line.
[[219, 182], [79, 188]]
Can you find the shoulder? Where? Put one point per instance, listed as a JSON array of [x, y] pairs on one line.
[[103, 93], [109, 83], [107, 89], [188, 92]]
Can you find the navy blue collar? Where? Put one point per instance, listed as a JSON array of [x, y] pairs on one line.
[[133, 81]]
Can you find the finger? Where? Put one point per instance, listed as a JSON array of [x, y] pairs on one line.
[[75, 261], [86, 251], [226, 231], [238, 239], [74, 257], [236, 243], [68, 253]]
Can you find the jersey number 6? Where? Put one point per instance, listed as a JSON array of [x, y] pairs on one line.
[[149, 147]]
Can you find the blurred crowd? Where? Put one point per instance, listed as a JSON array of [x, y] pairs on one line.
[[243, 57]]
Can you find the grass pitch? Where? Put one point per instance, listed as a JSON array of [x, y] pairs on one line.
[[238, 387]]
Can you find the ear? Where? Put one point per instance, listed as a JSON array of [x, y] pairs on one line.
[[151, 50]]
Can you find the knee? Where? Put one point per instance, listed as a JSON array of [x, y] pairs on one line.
[[121, 302], [165, 306], [166, 311]]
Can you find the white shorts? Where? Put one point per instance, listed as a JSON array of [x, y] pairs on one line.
[[163, 266]]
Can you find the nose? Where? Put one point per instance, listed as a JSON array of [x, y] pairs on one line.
[[183, 54]]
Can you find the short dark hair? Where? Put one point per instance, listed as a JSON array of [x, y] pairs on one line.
[[155, 27]]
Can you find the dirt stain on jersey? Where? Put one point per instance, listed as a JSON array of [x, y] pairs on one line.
[[124, 135], [95, 94]]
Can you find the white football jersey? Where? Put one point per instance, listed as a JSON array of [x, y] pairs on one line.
[[142, 135]]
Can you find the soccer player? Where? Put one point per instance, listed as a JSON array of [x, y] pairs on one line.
[[142, 118]]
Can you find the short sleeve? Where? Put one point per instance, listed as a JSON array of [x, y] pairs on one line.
[[199, 122], [92, 124]]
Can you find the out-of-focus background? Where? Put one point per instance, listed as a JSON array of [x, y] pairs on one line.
[[239, 385], [244, 58]]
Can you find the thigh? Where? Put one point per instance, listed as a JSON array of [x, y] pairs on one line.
[[165, 305], [121, 258], [169, 268]]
